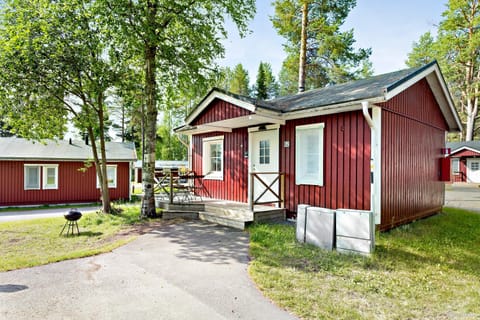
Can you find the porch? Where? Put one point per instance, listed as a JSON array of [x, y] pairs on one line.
[[227, 213]]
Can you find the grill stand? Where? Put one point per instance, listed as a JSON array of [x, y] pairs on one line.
[[71, 226]]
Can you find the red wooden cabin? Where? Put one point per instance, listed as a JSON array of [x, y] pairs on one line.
[[465, 161], [58, 172], [373, 144]]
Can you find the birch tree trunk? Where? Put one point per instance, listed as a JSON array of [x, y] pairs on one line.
[[303, 49]]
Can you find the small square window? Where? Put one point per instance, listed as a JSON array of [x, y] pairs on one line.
[[264, 152], [50, 177], [213, 158], [32, 177], [309, 154], [474, 166], [111, 176]]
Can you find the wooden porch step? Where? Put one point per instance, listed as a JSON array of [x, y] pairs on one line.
[[273, 215], [230, 210], [228, 221], [173, 214]]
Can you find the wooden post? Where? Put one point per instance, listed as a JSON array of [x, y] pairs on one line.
[[252, 179], [171, 187], [282, 190]]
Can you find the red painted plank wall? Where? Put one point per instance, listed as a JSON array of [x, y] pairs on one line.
[[346, 164], [418, 104], [73, 185], [462, 175], [220, 110], [413, 135], [234, 186], [465, 153]]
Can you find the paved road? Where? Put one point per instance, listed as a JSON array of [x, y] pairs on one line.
[[465, 196], [41, 213], [192, 270]]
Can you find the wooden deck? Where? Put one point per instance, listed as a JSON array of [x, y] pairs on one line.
[[233, 214]]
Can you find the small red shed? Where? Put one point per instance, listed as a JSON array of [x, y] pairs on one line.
[[465, 161], [372, 144], [60, 172]]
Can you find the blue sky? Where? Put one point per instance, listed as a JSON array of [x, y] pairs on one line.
[[388, 27]]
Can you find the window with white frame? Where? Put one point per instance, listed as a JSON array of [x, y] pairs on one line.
[[32, 177], [455, 165], [309, 154], [213, 158], [50, 176], [111, 176], [40, 176]]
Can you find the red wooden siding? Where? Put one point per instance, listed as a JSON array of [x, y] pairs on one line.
[[346, 164], [418, 104], [465, 153], [234, 185], [220, 110], [460, 176], [413, 135], [73, 185]]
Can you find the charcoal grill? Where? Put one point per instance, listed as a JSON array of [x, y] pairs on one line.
[[72, 218]]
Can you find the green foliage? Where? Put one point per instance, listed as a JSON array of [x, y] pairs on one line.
[[425, 270], [240, 81], [457, 49], [266, 87], [176, 43], [423, 51], [331, 57]]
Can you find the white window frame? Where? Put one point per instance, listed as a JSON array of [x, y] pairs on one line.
[[112, 185], [302, 176], [25, 176], [206, 160], [45, 176], [456, 166]]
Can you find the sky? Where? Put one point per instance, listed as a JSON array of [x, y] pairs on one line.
[[388, 27]]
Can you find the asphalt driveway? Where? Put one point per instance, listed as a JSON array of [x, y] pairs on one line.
[[192, 270], [463, 195]]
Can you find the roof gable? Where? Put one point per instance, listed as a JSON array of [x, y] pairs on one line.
[[244, 102], [460, 146], [12, 148]]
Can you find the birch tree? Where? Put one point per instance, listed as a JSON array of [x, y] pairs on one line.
[[177, 43]]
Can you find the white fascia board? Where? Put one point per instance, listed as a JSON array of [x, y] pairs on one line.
[[267, 119], [331, 109], [222, 96], [205, 129], [463, 148]]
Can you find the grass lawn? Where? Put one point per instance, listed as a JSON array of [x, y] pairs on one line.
[[429, 269], [36, 242]]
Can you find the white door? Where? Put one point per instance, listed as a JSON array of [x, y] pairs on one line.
[[264, 158], [473, 170]]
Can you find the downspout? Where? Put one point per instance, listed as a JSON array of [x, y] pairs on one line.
[[370, 123], [369, 119], [373, 160]]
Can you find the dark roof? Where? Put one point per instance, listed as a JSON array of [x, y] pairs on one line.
[[12, 148], [457, 145], [375, 86]]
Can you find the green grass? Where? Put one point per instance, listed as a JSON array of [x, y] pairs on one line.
[[46, 206], [36, 242], [429, 269]]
